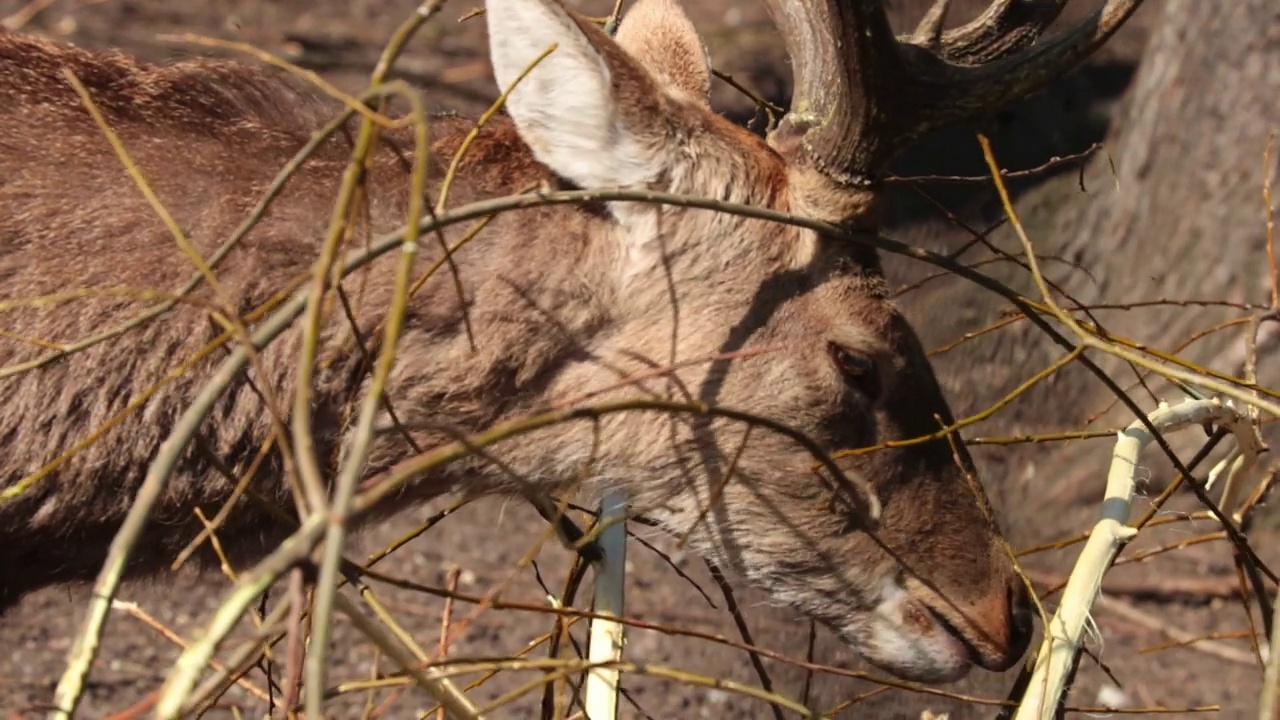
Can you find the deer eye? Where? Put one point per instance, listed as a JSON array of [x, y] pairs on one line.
[[859, 370]]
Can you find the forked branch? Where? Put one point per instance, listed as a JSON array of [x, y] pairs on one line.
[[862, 93]]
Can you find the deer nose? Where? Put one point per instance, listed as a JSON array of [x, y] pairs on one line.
[[1004, 627]]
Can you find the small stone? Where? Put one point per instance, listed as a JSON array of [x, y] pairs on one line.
[[1111, 696]]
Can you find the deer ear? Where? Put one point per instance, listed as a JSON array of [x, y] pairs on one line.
[[659, 35], [588, 111]]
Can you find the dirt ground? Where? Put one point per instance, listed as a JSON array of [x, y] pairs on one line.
[[1176, 594]]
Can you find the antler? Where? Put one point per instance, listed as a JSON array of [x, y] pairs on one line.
[[861, 94]]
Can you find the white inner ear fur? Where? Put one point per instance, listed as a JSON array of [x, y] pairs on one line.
[[565, 109]]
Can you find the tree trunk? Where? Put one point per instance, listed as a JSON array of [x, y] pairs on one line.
[[1180, 217]]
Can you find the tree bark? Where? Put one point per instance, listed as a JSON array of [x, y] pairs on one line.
[[1180, 217]]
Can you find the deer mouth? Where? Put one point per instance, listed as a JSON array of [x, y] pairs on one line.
[[984, 660], [917, 635], [987, 652], [908, 638]]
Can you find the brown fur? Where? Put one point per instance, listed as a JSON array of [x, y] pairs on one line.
[[552, 318], [673, 51]]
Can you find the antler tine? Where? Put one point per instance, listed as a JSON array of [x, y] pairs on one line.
[[861, 93], [953, 93], [1006, 27], [928, 33]]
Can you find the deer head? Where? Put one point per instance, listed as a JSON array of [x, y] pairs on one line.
[[564, 300], [931, 590]]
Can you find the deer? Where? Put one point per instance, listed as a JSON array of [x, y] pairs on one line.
[[556, 300]]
